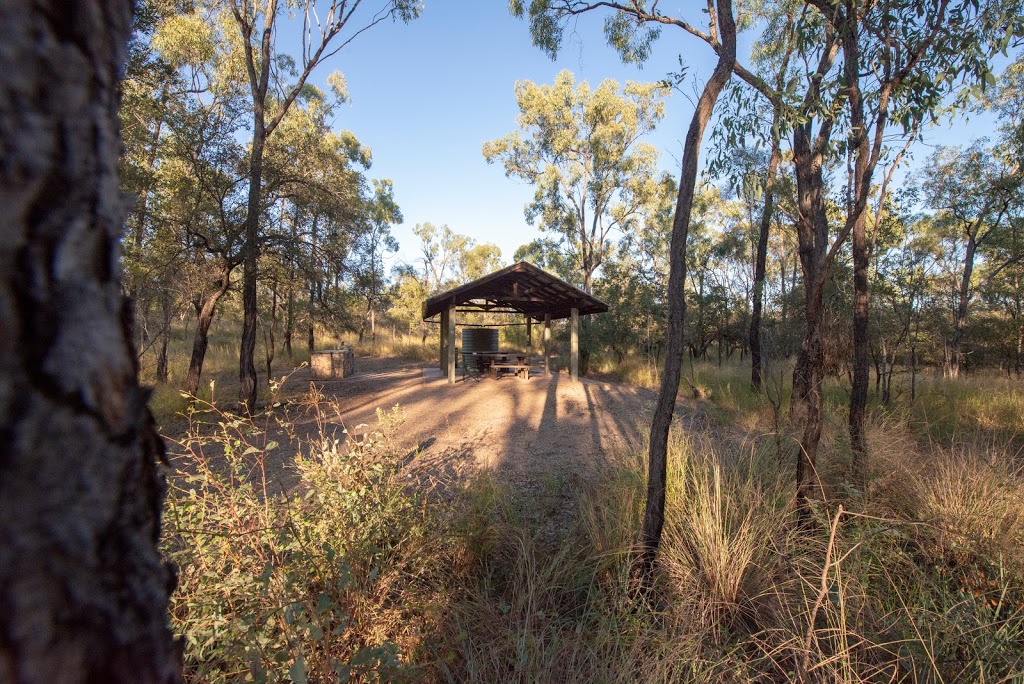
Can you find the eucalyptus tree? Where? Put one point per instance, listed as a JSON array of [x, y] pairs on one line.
[[548, 254], [409, 292], [324, 32], [167, 85], [179, 163], [582, 151], [548, 19], [203, 213], [903, 258], [439, 248], [372, 245], [449, 258], [82, 583], [751, 123], [712, 245], [1006, 291], [329, 209], [901, 61], [150, 82], [634, 282], [1002, 289], [477, 261], [314, 203], [975, 194]]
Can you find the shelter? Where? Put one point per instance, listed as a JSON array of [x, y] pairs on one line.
[[521, 288]]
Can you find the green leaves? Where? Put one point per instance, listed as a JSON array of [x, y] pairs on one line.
[[581, 148], [185, 40], [270, 584]]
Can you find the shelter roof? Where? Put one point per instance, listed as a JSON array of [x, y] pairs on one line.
[[519, 288]]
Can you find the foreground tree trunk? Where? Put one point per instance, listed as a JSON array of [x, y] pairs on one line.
[[862, 171], [246, 365], [83, 589], [812, 232], [654, 509]]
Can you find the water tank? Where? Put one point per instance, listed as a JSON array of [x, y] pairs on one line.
[[479, 340]]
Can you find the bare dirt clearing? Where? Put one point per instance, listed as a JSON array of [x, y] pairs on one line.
[[545, 438]]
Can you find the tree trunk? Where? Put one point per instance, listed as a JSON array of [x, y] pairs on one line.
[[289, 314], [204, 317], [812, 233], [913, 373], [783, 307], [654, 509], [269, 343], [955, 351], [760, 264], [861, 362], [880, 370], [162, 371], [246, 364], [82, 584], [289, 309], [311, 333], [889, 373], [863, 169], [1020, 352]]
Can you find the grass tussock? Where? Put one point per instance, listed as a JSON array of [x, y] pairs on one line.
[[355, 574]]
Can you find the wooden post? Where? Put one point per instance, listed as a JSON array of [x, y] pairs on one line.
[[547, 344], [529, 334], [574, 346], [451, 345], [442, 354]]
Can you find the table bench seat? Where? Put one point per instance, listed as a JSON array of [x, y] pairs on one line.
[[521, 370]]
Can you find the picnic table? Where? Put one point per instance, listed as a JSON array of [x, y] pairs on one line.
[[495, 363]]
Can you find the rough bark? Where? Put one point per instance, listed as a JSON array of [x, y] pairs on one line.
[[861, 177], [269, 343], [654, 509], [83, 589], [247, 366], [166, 314], [760, 265], [812, 233], [259, 85], [960, 317], [205, 310]]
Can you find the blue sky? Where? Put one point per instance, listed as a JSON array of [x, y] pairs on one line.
[[426, 95]]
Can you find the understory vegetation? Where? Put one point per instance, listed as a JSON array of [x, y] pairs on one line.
[[357, 573], [848, 315]]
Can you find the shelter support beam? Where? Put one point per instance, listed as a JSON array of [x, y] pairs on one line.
[[450, 334], [529, 334], [547, 344], [574, 346], [442, 354]]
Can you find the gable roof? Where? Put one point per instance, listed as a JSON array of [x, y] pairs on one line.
[[521, 288]]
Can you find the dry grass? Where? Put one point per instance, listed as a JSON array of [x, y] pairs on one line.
[[918, 578]]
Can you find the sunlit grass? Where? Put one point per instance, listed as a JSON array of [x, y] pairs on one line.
[[920, 577]]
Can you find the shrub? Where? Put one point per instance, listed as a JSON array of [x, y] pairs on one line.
[[319, 583]]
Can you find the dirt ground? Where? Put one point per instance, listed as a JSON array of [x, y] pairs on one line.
[[545, 437]]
